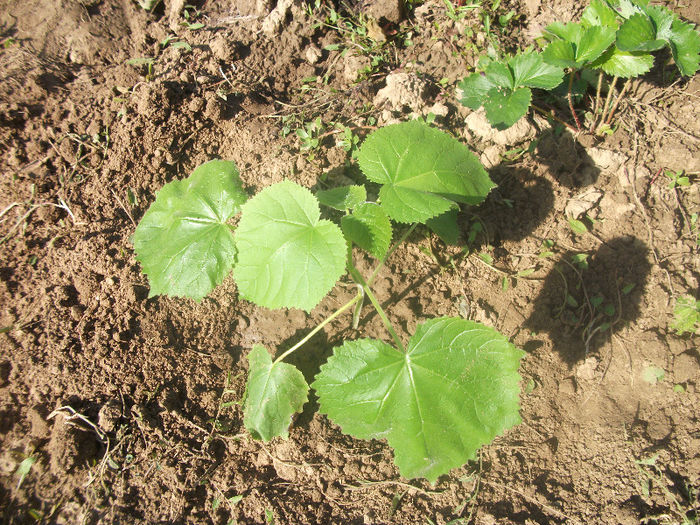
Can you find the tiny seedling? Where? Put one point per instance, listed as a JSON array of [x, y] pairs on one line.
[[437, 398], [686, 316], [677, 178]]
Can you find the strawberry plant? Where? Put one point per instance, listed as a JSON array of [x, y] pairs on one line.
[[613, 37], [451, 388]]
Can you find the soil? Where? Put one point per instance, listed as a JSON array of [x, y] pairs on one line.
[[119, 408]]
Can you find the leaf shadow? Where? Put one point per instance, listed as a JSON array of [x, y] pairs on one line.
[[582, 303]]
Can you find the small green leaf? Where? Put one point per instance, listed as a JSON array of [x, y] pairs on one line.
[[560, 53], [499, 74], [653, 374], [594, 41], [369, 227], [638, 33], [455, 389], [183, 242], [598, 13], [503, 108], [486, 258], [445, 226], [24, 469], [685, 47], [577, 226], [274, 393], [423, 171], [234, 500], [526, 272], [342, 198], [474, 90], [686, 316], [530, 70], [288, 257]]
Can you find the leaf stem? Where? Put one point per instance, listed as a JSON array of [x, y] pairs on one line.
[[597, 96], [571, 102], [551, 115], [608, 120], [357, 276], [391, 252], [611, 90], [320, 327]]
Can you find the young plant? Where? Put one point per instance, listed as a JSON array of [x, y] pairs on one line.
[[450, 389], [504, 87], [613, 37]]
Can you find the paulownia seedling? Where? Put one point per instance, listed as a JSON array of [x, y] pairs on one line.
[[453, 387]]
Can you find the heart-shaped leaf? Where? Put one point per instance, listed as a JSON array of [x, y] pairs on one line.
[[369, 227], [288, 257], [183, 242], [423, 171], [455, 389], [274, 393]]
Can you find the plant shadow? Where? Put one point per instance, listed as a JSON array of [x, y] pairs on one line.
[[587, 297]]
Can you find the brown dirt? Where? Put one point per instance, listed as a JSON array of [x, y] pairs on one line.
[[123, 401]]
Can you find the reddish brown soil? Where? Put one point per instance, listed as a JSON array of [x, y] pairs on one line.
[[86, 141]]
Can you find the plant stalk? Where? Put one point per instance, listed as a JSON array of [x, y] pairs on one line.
[[319, 327], [391, 252], [597, 97], [571, 102], [611, 89], [551, 115], [617, 101]]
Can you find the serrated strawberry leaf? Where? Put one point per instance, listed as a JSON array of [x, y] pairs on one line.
[[599, 13], [287, 256], [369, 227], [530, 70], [455, 389], [638, 33], [499, 74], [342, 198], [624, 64], [685, 47], [183, 242], [577, 46], [423, 171], [504, 108], [474, 90], [274, 393]]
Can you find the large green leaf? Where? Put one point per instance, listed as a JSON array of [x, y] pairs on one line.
[[369, 227], [499, 74], [530, 70], [474, 89], [638, 33], [274, 393], [423, 171], [576, 46], [454, 390], [342, 198], [504, 108], [685, 46], [287, 256], [624, 64], [183, 242]]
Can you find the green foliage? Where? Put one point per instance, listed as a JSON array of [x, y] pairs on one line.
[[183, 242], [454, 389], [342, 198], [288, 256], [575, 46], [504, 88], [686, 316], [369, 227], [423, 171], [275, 392]]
